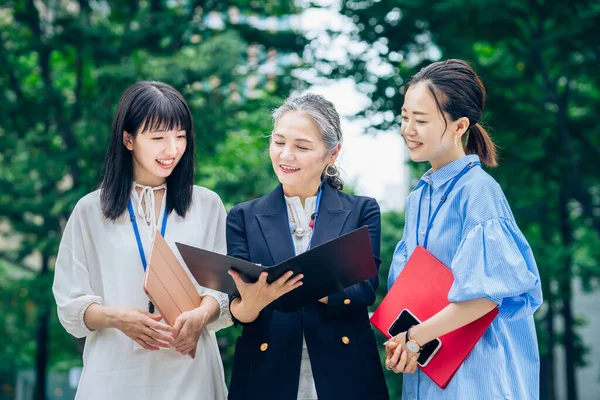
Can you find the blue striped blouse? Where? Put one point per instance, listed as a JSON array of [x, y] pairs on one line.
[[476, 236]]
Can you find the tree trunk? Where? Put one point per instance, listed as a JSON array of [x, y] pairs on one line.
[[566, 293], [41, 361], [547, 375]]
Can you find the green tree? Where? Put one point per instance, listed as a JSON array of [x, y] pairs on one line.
[[538, 60], [65, 65]]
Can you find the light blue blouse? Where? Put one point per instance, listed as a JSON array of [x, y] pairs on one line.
[[476, 236]]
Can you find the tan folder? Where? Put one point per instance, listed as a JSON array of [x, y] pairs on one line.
[[167, 284]]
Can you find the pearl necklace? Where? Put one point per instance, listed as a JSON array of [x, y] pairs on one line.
[[300, 232]]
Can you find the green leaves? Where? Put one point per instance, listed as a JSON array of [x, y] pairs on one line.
[[64, 68]]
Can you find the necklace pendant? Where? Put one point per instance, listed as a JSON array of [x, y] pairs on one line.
[[301, 232]]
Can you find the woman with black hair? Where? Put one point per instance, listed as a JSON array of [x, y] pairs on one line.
[[147, 186], [459, 213]]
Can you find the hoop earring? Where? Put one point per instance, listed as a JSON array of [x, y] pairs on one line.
[[332, 171]]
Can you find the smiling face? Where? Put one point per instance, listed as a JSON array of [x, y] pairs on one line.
[[156, 153], [429, 134], [298, 154]]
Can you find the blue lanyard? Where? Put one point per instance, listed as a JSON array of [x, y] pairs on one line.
[[318, 206], [442, 200], [137, 231]]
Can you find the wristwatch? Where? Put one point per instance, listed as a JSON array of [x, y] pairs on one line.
[[412, 344]]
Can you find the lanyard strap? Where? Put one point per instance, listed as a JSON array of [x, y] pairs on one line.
[[466, 169], [317, 207], [137, 231]]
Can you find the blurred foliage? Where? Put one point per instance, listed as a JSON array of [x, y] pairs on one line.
[[65, 65], [538, 60]]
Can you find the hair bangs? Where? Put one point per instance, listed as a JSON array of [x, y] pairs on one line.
[[166, 114]]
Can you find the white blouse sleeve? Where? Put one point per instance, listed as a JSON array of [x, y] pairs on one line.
[[220, 246], [71, 288]]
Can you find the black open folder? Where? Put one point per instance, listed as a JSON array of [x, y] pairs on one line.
[[327, 268]]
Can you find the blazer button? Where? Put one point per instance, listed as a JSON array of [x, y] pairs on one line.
[[347, 301], [264, 347], [345, 340]]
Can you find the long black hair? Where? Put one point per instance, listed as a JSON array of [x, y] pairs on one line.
[[147, 106], [459, 92]]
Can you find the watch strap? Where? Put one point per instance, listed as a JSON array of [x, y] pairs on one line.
[[408, 339]]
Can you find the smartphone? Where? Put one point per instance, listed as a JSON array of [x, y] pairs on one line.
[[405, 320]]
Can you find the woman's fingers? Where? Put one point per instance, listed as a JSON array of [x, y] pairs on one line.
[[402, 359], [396, 352], [263, 278], [292, 282], [150, 323], [151, 343], [389, 352], [186, 350], [181, 338], [162, 339], [239, 282], [283, 279], [145, 345], [287, 282], [412, 364]]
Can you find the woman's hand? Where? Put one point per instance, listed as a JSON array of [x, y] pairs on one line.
[[256, 296], [398, 358], [187, 329], [143, 327]]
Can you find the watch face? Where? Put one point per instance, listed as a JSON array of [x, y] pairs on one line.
[[412, 346]]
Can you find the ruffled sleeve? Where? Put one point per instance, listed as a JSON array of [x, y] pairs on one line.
[[494, 261], [398, 262], [72, 289]]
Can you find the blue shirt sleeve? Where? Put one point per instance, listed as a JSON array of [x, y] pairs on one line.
[[398, 262], [494, 261]]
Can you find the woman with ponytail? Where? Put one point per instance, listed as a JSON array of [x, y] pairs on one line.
[[307, 208], [460, 214]]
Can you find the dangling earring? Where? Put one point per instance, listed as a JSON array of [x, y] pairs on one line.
[[332, 170], [456, 141]]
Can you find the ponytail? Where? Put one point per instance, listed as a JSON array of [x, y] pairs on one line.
[[331, 176], [479, 142], [335, 182]]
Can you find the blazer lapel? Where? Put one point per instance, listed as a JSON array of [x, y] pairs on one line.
[[331, 218], [275, 227]]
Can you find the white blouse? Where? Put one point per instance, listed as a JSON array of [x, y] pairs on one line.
[[301, 216], [99, 262]]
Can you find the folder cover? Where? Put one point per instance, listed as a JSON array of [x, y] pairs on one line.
[[422, 287], [327, 268], [168, 285]]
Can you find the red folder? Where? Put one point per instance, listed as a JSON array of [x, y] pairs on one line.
[[422, 287]]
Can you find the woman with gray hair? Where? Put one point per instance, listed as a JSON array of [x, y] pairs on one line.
[[327, 349]]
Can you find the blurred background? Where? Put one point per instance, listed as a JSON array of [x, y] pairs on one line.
[[65, 63]]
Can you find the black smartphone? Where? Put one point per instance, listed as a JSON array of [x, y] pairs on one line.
[[405, 320]]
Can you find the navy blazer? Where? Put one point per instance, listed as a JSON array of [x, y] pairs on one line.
[[341, 344]]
